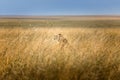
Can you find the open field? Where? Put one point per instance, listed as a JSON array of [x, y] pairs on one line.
[[60, 21], [28, 50]]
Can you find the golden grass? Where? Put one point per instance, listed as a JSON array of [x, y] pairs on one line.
[[32, 54]]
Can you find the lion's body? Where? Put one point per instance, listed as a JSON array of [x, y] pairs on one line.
[[61, 40]]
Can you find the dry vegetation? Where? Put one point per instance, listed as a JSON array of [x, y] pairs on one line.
[[33, 54]]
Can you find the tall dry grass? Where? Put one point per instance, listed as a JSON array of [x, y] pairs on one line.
[[32, 54]]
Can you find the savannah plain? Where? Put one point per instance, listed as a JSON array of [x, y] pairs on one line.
[[28, 50]]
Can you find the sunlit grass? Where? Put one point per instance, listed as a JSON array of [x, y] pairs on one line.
[[32, 54]]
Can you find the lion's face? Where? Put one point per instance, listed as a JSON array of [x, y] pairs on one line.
[[57, 37]]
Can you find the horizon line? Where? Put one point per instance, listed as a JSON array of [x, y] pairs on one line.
[[66, 15]]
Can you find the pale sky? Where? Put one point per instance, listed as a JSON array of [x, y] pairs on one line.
[[59, 7]]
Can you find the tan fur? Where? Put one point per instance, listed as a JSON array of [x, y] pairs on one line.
[[61, 40]]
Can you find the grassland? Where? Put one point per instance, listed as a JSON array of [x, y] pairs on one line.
[[28, 51]]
